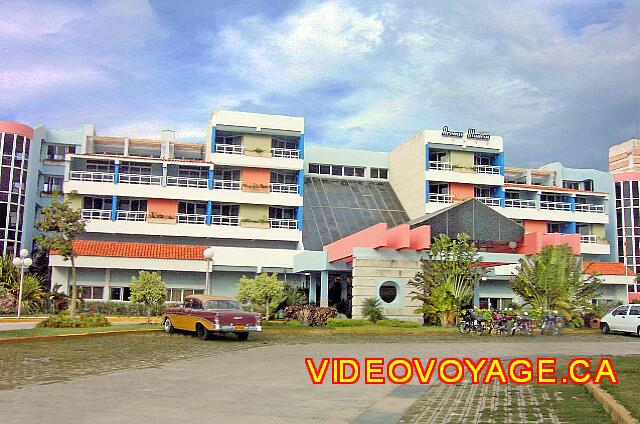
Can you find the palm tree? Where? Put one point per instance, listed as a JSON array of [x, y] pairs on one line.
[[372, 309]]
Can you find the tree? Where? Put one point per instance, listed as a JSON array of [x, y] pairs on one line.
[[554, 280], [62, 224], [265, 290], [148, 290], [372, 309], [447, 277]]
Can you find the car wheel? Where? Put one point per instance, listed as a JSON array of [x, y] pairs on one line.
[[638, 331], [203, 333], [168, 326], [243, 336], [604, 327]]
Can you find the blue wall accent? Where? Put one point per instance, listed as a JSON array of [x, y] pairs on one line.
[[301, 146], [499, 193], [210, 179], [213, 139], [571, 200], [568, 228], [299, 217], [114, 206], [116, 174], [498, 160], [300, 182], [208, 221]]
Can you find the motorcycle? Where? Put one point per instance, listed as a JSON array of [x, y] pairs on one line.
[[523, 325], [472, 322], [552, 323], [500, 323]]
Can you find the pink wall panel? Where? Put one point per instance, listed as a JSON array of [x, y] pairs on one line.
[[420, 237], [375, 236], [398, 237], [16, 128]]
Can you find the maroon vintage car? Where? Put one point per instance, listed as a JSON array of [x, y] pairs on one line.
[[211, 314]]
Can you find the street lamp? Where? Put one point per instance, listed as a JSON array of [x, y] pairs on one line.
[[208, 255], [23, 262]]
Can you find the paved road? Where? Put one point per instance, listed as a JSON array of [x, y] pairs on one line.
[[8, 326], [262, 385]]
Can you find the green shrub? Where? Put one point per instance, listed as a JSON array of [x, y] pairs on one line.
[[346, 322], [293, 323], [398, 323], [63, 320], [313, 316], [124, 309], [372, 309]]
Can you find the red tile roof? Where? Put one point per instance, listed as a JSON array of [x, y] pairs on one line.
[[551, 188], [606, 268], [138, 250]]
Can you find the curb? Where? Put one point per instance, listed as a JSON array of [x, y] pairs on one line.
[[618, 413], [75, 336], [11, 320]]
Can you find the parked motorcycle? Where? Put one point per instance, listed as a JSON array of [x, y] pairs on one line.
[[552, 323], [523, 325], [500, 323], [472, 322]]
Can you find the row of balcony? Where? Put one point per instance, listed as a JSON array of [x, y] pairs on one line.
[[276, 152], [522, 203], [188, 182], [183, 218], [479, 169]]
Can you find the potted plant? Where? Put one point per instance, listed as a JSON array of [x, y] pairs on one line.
[[462, 168], [258, 151], [159, 218], [256, 188], [254, 223]]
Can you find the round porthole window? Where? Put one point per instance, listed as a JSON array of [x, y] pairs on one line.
[[388, 291]]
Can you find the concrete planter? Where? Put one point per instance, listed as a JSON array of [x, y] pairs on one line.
[[151, 220], [265, 154], [247, 224], [464, 169], [256, 189]]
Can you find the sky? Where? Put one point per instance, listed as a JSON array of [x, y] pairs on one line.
[[556, 79]]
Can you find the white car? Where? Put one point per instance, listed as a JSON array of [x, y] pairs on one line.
[[625, 318]]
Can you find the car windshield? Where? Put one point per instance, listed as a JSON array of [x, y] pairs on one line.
[[222, 304]]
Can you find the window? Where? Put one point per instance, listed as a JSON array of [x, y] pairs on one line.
[[132, 205], [634, 310], [337, 170], [512, 195], [554, 227], [228, 174], [57, 152], [442, 188], [495, 302], [222, 304], [228, 138], [225, 210], [574, 185], [588, 185], [480, 159], [98, 166], [176, 295], [314, 168], [91, 293], [193, 172], [381, 173], [284, 143], [480, 191], [52, 183], [436, 156], [199, 208], [103, 203], [622, 310], [284, 177], [136, 168], [388, 291], [120, 293], [281, 213]]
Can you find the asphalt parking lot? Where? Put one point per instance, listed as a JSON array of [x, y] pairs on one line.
[[262, 384]]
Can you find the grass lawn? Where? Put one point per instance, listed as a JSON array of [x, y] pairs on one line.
[[12, 334], [627, 391]]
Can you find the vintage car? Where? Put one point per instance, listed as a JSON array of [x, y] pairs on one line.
[[211, 314]]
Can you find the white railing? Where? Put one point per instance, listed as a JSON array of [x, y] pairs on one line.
[[440, 166], [291, 224], [191, 218], [140, 179], [284, 188], [188, 182], [441, 198], [102, 214], [586, 207], [100, 177], [555, 206], [279, 152], [231, 149], [227, 184], [520, 203], [591, 239], [131, 215], [489, 201], [225, 220], [487, 169]]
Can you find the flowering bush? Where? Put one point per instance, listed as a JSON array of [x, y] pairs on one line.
[[313, 316]]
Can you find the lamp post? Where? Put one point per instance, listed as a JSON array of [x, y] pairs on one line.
[[23, 262], [208, 255]]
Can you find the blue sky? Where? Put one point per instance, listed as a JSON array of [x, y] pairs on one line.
[[556, 79]]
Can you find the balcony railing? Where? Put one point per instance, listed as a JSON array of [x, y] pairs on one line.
[[489, 201], [188, 182], [191, 218], [227, 184], [278, 152], [585, 207], [291, 224], [131, 215], [284, 188], [591, 239], [225, 220], [96, 214], [487, 169], [555, 206], [140, 179], [440, 198], [231, 149], [520, 203], [100, 177], [440, 166]]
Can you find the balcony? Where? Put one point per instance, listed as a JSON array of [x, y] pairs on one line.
[[284, 188], [191, 218], [440, 166], [440, 198], [99, 177], [290, 224], [278, 152], [594, 245], [487, 169], [490, 201], [519, 203], [100, 214], [590, 239], [230, 149], [227, 184], [228, 220], [140, 179], [586, 207], [555, 206], [187, 182], [131, 215]]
